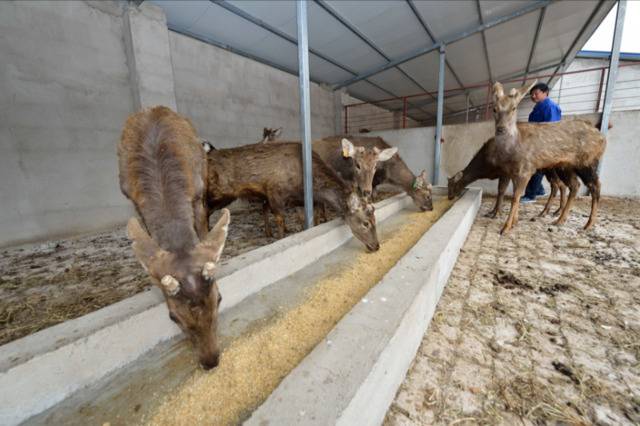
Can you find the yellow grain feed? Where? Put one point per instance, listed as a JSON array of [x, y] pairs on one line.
[[254, 364]]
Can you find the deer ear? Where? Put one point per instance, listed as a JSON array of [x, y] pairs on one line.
[[522, 92], [146, 250], [214, 242], [277, 132], [348, 150], [386, 154], [353, 203], [498, 91]]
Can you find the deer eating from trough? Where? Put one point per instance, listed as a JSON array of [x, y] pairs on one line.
[[162, 170], [522, 148], [272, 174], [390, 170]]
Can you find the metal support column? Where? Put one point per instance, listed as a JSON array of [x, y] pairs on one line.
[[613, 66], [305, 110], [436, 157]]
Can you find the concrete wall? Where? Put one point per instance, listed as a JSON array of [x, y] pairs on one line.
[[70, 74], [230, 98], [64, 94], [620, 174]]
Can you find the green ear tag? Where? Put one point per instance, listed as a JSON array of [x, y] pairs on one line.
[[414, 185]]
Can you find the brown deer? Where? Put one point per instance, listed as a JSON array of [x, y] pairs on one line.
[[355, 164], [481, 167], [163, 172], [270, 134], [393, 170], [522, 148], [272, 174]]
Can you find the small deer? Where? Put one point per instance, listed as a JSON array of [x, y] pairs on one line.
[[355, 164], [272, 174], [163, 172], [392, 170], [523, 148], [270, 134]]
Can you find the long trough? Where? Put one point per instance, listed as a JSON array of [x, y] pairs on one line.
[[48, 367]]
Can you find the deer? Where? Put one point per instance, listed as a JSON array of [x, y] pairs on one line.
[[162, 170], [481, 167], [522, 148], [390, 170], [270, 134], [272, 174]]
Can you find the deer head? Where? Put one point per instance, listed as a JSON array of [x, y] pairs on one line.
[[360, 216], [454, 185], [270, 135], [365, 161], [188, 284], [421, 192], [505, 107]]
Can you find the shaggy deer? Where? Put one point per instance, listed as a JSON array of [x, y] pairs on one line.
[[393, 171], [272, 174], [163, 172], [481, 167], [523, 148], [355, 164], [270, 135]]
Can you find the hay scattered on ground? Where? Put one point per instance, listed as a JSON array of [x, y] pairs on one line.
[[253, 365]]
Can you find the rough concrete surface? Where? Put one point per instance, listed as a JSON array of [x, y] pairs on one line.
[[541, 326]]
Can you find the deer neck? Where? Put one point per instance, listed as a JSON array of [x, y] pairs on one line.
[[510, 137]]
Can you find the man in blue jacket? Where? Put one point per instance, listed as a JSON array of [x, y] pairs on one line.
[[545, 110]]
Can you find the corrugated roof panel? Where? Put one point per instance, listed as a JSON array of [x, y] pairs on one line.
[[321, 70], [182, 14], [424, 70], [468, 60], [367, 91], [492, 9], [391, 25], [509, 44], [395, 82], [446, 19], [278, 13], [561, 25]]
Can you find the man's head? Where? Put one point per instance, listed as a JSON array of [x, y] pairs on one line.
[[539, 92]]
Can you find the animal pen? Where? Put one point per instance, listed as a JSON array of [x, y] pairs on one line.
[[148, 147]]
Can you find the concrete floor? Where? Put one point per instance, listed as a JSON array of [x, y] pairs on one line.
[[541, 326]]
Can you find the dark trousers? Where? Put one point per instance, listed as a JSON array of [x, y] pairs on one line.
[[534, 187]]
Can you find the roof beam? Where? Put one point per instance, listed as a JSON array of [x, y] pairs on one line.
[[348, 25], [575, 42], [484, 41], [426, 28], [259, 22], [534, 44], [450, 40]]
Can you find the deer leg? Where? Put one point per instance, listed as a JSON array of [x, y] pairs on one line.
[[265, 213], [519, 184], [553, 179], [503, 183], [573, 191], [563, 197], [590, 178]]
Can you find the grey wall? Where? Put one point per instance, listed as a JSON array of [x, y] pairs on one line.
[[70, 74], [64, 94], [230, 98]]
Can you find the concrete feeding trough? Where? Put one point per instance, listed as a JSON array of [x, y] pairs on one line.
[[51, 373]]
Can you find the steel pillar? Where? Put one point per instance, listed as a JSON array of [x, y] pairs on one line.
[[613, 66], [436, 151], [305, 110]]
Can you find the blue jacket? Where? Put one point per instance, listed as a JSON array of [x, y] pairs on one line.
[[545, 111]]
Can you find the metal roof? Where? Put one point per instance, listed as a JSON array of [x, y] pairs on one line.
[[384, 49]]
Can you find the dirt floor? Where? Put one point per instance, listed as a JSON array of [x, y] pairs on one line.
[[44, 284], [541, 326]]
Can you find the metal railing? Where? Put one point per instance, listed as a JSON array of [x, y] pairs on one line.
[[576, 91]]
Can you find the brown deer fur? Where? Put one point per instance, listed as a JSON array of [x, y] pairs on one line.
[[481, 167], [393, 171], [272, 173], [523, 148], [163, 172]]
